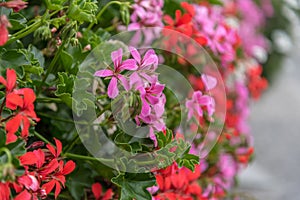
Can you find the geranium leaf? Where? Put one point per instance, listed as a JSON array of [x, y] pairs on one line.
[[133, 189]]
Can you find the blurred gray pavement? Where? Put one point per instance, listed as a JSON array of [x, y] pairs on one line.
[[275, 123]]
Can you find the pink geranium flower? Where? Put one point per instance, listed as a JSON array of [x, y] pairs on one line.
[[196, 104], [146, 67], [150, 95], [115, 74]]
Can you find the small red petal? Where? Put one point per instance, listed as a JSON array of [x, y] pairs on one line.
[[50, 167], [11, 79], [25, 195], [13, 101], [97, 190], [58, 147], [108, 195], [28, 158], [57, 189], [49, 186], [69, 167]]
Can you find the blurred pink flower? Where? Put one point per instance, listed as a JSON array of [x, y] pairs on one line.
[[198, 101]]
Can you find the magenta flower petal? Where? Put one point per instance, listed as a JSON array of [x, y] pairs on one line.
[[150, 58], [135, 54], [113, 90], [129, 64], [104, 73], [135, 80], [152, 99], [204, 100], [145, 108], [116, 57], [209, 81], [124, 82], [158, 88]]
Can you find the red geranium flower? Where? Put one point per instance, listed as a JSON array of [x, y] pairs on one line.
[[98, 193], [48, 168], [22, 99]]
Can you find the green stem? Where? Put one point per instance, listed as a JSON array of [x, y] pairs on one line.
[[48, 99], [73, 142], [52, 64], [57, 118], [41, 137], [106, 108], [81, 157], [102, 11], [24, 32], [7, 152]]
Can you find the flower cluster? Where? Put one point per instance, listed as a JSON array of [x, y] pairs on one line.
[[177, 183], [141, 78], [20, 103], [44, 170], [147, 13], [211, 27]]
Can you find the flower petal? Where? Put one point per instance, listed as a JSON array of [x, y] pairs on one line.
[[97, 190], [124, 82], [116, 57], [58, 147], [112, 90], [209, 81], [69, 167], [13, 101], [129, 64], [11, 79], [135, 54], [104, 73], [25, 195]]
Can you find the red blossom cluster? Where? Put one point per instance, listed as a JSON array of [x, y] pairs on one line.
[[256, 83], [20, 102], [183, 23], [44, 170], [178, 183]]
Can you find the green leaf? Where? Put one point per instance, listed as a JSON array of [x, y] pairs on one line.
[[164, 138], [85, 12], [66, 59], [65, 88], [54, 4], [189, 161], [17, 21], [78, 181], [13, 59], [2, 137], [133, 189]]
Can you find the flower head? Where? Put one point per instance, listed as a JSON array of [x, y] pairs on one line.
[[115, 73]]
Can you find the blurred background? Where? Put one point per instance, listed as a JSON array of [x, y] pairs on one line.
[[275, 122]]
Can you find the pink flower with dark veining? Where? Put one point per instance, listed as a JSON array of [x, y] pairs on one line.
[[115, 74]]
